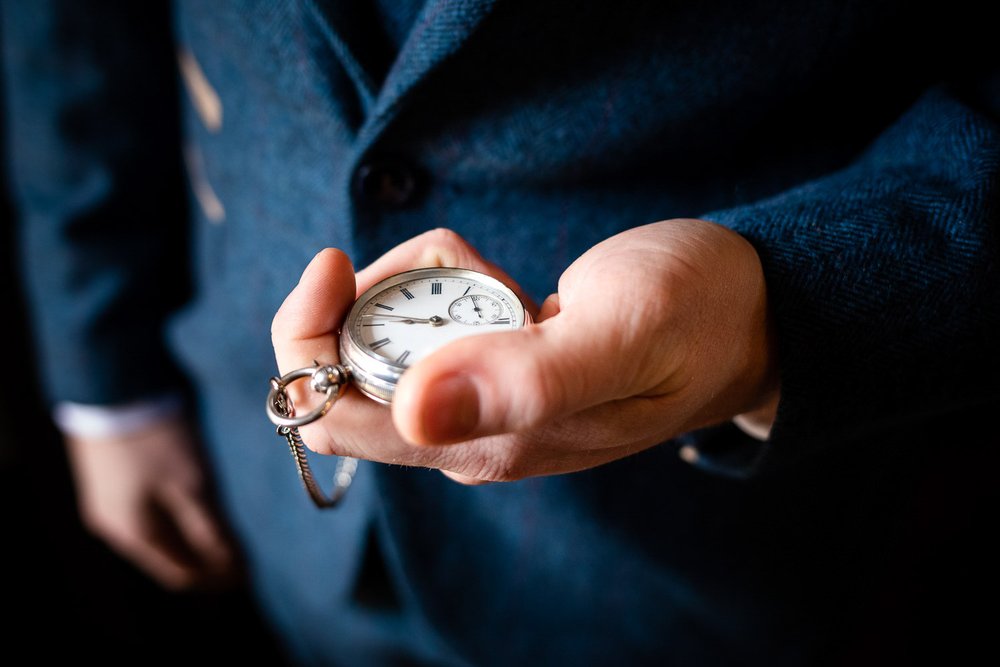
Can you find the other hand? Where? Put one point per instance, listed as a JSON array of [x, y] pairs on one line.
[[146, 494]]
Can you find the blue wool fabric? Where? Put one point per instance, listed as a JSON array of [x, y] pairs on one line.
[[855, 144]]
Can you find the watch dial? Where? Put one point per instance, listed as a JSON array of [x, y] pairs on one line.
[[475, 310], [403, 323]]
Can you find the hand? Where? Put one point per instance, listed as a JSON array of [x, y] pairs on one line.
[[146, 495], [654, 332]]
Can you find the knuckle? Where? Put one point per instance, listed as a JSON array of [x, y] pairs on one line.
[[493, 472], [470, 463], [444, 247], [501, 459], [494, 469], [444, 236]]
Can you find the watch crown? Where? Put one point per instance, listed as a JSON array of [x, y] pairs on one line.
[[327, 376]]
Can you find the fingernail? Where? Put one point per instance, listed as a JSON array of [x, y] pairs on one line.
[[453, 413]]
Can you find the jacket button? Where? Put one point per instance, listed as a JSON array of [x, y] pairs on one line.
[[388, 182]]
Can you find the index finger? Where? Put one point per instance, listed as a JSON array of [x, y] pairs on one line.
[[436, 248]]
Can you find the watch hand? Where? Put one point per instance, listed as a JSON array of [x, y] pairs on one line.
[[433, 320]]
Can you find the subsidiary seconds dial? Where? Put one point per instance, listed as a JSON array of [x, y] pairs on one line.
[[476, 309]]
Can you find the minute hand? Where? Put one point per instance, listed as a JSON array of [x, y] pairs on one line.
[[433, 320]]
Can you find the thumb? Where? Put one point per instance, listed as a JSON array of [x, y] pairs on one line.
[[510, 382]]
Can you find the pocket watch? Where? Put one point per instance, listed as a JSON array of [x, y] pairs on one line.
[[394, 324]]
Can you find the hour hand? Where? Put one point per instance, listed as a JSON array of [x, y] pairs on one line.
[[433, 320]]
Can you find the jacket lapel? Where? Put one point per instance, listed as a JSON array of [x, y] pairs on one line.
[[441, 28], [335, 24]]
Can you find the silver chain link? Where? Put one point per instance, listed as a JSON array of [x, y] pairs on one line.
[[347, 466]]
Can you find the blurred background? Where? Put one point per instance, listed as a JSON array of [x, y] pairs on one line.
[[58, 581]]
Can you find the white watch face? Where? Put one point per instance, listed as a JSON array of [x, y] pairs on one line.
[[419, 311]]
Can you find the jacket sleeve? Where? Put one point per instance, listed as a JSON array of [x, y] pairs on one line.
[[93, 153], [884, 280]]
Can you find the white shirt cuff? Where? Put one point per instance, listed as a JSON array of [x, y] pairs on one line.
[[102, 421], [755, 429], [758, 424]]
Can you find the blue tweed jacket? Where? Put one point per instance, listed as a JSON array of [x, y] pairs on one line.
[[855, 144]]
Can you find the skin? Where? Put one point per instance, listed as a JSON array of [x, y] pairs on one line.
[[653, 332], [146, 494]]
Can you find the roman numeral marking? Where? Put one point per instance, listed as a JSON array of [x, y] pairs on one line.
[[466, 290], [505, 320], [401, 358], [435, 288], [383, 306], [379, 343], [407, 293]]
